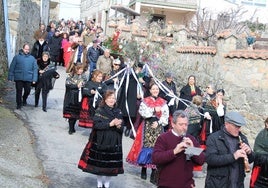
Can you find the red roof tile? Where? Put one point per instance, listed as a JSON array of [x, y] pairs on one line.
[[198, 49], [224, 33], [140, 33], [248, 54]]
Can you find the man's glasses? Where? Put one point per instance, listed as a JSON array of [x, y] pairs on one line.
[[116, 64]]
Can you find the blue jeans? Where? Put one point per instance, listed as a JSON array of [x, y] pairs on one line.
[[92, 67]]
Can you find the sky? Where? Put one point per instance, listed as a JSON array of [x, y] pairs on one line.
[[69, 9], [222, 5]]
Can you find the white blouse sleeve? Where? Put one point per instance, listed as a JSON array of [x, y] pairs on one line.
[[220, 110], [145, 111], [165, 115]]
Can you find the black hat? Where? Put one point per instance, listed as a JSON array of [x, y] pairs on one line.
[[140, 65]]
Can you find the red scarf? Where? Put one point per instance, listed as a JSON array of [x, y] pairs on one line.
[[152, 103]]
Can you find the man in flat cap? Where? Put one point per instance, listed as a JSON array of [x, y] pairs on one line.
[[227, 153]]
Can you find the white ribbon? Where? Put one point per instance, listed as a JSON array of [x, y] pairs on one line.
[[79, 95], [210, 126], [127, 83], [139, 89], [166, 90], [96, 96]]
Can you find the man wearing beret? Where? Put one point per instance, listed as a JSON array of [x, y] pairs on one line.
[[226, 154]]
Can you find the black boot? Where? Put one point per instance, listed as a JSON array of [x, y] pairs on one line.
[[153, 177], [71, 126], [143, 173], [44, 104], [37, 94], [24, 102]]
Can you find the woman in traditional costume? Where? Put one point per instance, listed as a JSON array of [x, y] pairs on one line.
[[154, 111], [103, 154], [72, 99], [92, 94]]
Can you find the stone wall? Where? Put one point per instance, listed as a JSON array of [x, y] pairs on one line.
[[24, 19], [3, 53], [244, 80]]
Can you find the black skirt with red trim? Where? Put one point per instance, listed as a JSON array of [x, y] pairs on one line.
[[85, 119]]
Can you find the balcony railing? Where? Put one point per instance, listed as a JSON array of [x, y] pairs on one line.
[[189, 4]]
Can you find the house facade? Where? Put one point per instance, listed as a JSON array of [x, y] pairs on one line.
[[164, 11]]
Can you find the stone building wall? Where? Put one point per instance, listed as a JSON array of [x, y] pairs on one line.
[[24, 18]]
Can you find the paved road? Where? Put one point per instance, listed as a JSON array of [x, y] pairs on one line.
[[59, 152]]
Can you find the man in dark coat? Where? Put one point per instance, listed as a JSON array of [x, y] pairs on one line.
[[169, 84], [93, 54], [39, 47], [227, 154], [23, 70], [54, 44]]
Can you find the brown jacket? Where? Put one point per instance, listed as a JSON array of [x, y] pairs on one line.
[[73, 59]]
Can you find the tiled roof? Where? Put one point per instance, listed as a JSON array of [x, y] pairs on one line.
[[140, 33], [248, 54], [225, 34], [198, 49]]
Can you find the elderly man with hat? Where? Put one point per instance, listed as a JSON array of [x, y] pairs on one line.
[[227, 153]]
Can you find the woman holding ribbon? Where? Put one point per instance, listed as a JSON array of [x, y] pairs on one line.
[[92, 94], [72, 99]]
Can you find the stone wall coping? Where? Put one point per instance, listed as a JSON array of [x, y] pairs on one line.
[[198, 49], [248, 54]]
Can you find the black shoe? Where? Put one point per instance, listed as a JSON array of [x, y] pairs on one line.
[[44, 109], [143, 173], [18, 107], [153, 177], [24, 103], [127, 131], [71, 131]]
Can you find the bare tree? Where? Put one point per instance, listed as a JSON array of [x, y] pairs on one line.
[[204, 27]]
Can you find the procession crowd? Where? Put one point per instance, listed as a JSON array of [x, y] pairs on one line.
[[174, 132]]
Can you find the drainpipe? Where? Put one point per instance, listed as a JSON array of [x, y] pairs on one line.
[[7, 33]]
